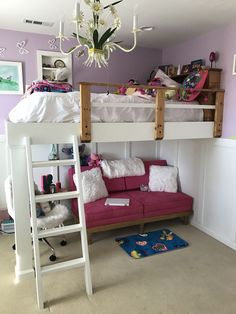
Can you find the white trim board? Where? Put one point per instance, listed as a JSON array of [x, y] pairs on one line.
[[214, 235]]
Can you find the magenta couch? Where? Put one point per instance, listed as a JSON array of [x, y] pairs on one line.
[[144, 206]]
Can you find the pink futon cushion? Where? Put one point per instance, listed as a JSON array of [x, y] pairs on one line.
[[162, 203], [98, 214]]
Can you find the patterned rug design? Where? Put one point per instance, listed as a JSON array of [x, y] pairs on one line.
[[155, 242]]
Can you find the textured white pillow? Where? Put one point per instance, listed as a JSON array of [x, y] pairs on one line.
[[122, 168], [93, 185], [165, 79], [163, 179]]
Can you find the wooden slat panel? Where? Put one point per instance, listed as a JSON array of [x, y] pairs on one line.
[[85, 113], [218, 114], [159, 115]]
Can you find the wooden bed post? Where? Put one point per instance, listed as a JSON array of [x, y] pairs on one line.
[[219, 104], [85, 113], [159, 114]]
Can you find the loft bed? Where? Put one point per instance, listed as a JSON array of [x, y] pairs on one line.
[[156, 130], [146, 130], [61, 133]]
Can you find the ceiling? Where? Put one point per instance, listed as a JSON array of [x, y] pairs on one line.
[[174, 20]]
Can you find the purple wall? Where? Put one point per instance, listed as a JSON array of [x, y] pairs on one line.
[[223, 41], [122, 66]]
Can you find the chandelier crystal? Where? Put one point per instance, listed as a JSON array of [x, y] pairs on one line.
[[96, 36]]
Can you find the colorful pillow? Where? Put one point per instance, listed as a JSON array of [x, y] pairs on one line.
[[163, 179], [192, 83], [93, 185]]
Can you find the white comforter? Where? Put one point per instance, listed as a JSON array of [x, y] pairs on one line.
[[64, 107]]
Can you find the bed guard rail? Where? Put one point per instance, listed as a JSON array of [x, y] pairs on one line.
[[85, 107]]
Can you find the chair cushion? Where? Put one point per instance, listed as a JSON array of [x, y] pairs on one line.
[[54, 218], [162, 203]]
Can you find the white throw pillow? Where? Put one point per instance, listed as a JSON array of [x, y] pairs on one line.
[[93, 185], [163, 179], [122, 168]]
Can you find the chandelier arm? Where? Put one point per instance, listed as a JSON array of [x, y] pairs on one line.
[[132, 48], [66, 53], [77, 33], [62, 38]]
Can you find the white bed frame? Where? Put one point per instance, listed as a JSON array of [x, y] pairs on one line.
[[48, 133]]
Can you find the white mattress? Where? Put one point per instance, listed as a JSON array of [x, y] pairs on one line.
[[64, 107]]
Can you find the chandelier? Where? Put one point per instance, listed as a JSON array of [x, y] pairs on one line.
[[97, 34]]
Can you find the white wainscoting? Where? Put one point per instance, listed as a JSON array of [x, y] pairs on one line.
[[218, 211], [207, 171]]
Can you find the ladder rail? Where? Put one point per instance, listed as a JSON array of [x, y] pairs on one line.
[[81, 227], [84, 240], [39, 286]]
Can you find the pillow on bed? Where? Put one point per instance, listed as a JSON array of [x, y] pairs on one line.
[[93, 185], [193, 82], [165, 79], [163, 179]]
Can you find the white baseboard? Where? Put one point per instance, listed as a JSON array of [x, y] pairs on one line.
[[216, 236]]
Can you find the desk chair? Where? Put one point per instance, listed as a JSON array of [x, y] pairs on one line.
[[53, 219]]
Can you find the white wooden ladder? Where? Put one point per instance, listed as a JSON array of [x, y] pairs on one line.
[[79, 227]]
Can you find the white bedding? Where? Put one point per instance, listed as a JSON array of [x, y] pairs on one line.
[[64, 107]]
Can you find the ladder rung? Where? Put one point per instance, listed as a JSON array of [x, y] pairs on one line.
[[78, 262], [53, 163], [56, 196], [59, 230]]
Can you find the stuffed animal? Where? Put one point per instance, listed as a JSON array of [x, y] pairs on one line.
[[95, 159], [83, 157], [128, 91]]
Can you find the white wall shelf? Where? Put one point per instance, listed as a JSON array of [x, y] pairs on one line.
[[46, 65]]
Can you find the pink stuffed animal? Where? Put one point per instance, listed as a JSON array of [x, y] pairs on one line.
[[94, 159]]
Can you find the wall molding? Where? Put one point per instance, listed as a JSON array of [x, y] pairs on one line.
[[214, 235]]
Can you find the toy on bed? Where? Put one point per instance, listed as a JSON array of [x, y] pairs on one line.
[[128, 90]]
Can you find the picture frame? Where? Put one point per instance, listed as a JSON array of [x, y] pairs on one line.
[[234, 65], [11, 78], [165, 68], [186, 69], [197, 64], [172, 70]]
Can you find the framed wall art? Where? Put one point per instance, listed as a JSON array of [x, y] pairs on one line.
[[11, 80]]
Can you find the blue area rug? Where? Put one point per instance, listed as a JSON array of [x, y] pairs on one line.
[[155, 242]]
